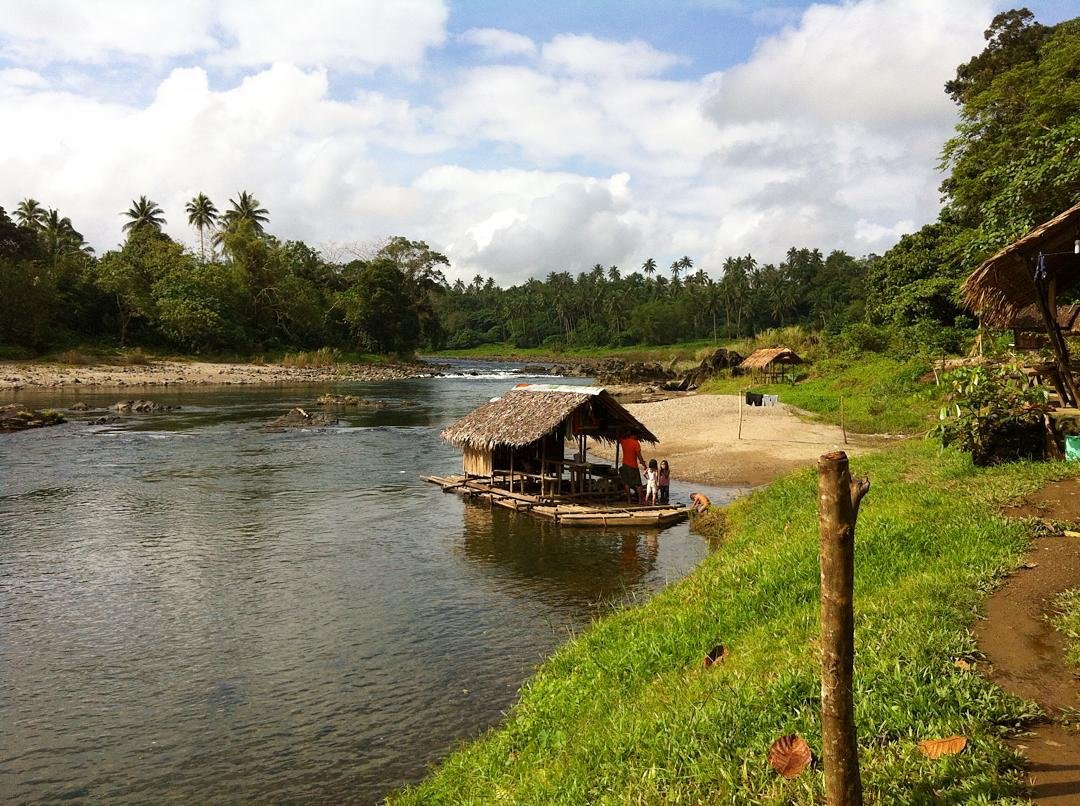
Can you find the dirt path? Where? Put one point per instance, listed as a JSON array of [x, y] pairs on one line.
[[699, 436], [1026, 653]]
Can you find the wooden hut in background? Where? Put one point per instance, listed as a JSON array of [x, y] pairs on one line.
[[1033, 270], [514, 455], [770, 363]]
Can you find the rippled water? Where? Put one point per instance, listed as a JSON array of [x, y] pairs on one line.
[[194, 609]]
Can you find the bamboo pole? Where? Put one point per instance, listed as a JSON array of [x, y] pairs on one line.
[[843, 427], [742, 397], [839, 499]]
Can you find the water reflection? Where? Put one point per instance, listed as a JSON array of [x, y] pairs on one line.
[[584, 565]]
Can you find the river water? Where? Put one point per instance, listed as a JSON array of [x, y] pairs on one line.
[[195, 609]]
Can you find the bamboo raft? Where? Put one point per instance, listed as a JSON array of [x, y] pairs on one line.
[[564, 513]]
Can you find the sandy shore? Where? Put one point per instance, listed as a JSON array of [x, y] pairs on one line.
[[699, 436], [22, 375]]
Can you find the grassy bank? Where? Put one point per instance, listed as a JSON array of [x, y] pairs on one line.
[[625, 713], [881, 394], [1068, 622], [687, 352]]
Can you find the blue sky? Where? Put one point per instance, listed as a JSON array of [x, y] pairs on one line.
[[519, 138]]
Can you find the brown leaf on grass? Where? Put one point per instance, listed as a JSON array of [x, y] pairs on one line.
[[718, 654], [790, 755], [963, 664], [936, 748]]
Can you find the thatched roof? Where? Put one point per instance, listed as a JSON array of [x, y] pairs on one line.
[[759, 359], [1029, 320], [527, 413], [1004, 284]]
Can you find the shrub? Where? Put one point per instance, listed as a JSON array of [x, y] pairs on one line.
[[992, 413], [323, 357]]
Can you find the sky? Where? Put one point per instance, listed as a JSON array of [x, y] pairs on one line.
[[517, 138]]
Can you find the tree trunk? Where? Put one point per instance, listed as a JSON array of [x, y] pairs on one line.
[[839, 499]]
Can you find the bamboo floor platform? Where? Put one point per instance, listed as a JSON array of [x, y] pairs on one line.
[[565, 513]]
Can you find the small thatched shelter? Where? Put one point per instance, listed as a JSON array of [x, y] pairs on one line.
[[523, 432], [1031, 271], [770, 362]]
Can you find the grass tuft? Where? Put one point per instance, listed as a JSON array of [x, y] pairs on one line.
[[1067, 620], [625, 713], [323, 357]]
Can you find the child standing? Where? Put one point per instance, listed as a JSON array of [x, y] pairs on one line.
[[652, 479], [664, 482]]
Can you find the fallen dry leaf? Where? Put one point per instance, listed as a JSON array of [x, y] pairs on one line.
[[1029, 566], [790, 755], [718, 654], [1070, 533], [964, 665], [936, 748]]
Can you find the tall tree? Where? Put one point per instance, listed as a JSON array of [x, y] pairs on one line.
[[203, 215], [144, 214], [246, 207], [649, 267], [30, 214]]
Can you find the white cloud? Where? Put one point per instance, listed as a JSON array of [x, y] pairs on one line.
[[582, 153], [345, 34], [495, 43], [587, 55]]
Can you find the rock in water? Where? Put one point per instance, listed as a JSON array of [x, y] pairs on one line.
[[141, 407], [351, 401], [298, 418], [14, 417]]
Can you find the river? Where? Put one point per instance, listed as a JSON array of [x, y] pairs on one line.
[[194, 609]]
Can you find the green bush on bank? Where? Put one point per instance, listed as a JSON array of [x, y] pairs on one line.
[[625, 713], [1067, 621]]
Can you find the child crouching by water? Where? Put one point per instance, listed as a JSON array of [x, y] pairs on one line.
[[664, 483], [652, 480]]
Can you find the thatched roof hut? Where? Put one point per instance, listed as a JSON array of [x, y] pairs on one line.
[[1003, 285], [527, 414], [1029, 320], [769, 358]]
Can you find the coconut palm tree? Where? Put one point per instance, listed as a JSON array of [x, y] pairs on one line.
[[30, 214], [144, 213], [613, 274], [245, 207], [60, 238], [203, 215], [676, 268], [649, 267]]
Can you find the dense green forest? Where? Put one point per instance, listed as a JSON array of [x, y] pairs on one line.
[[1013, 161]]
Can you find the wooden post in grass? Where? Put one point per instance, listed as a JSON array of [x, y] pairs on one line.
[[742, 397], [843, 426], [838, 503]]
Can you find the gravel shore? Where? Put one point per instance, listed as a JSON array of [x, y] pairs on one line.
[[23, 375]]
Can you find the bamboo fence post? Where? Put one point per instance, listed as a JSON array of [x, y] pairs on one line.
[[742, 396], [839, 499], [843, 427]]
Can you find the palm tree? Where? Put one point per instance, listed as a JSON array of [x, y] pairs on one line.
[[649, 266], [30, 214], [676, 267], [685, 263], [144, 213], [245, 207], [203, 215], [60, 238], [613, 274]]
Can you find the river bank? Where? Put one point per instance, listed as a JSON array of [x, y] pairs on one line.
[[701, 437], [16, 375], [625, 712]]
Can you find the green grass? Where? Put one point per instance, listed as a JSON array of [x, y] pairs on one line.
[[881, 394], [1067, 607], [625, 713], [687, 351]]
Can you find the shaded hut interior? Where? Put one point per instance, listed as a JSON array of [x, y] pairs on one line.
[[518, 441]]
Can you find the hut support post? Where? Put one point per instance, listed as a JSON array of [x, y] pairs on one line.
[[1045, 293], [838, 500]]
